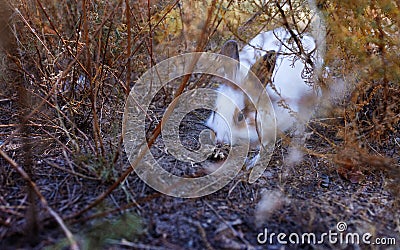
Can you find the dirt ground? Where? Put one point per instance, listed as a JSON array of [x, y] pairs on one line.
[[309, 197]]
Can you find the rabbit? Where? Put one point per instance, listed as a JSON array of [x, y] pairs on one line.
[[284, 75]]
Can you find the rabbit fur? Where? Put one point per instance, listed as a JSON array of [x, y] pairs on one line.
[[288, 84]]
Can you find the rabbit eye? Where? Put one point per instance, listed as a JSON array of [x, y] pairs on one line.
[[240, 116]]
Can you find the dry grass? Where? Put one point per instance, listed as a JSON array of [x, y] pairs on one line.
[[67, 68]]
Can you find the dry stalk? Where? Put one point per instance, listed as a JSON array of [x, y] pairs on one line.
[[25, 176], [156, 132]]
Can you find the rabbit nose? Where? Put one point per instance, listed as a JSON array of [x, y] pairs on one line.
[[217, 140]]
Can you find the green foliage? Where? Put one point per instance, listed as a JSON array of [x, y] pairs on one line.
[[128, 226]]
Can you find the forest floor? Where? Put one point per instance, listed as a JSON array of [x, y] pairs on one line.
[[311, 196]]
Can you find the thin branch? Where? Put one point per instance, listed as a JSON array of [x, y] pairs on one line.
[[293, 35], [157, 130], [25, 176]]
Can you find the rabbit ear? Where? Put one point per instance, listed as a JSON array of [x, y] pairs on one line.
[[231, 49], [264, 67]]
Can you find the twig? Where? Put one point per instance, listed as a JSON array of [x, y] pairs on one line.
[[134, 245], [25, 176], [143, 200], [33, 31], [202, 232], [157, 130], [70, 171], [58, 34], [128, 48], [294, 36], [235, 233]]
